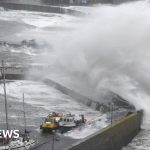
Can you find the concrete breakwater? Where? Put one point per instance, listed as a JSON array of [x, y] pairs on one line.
[[113, 137], [113, 98], [64, 2], [38, 8], [14, 73], [21, 73]]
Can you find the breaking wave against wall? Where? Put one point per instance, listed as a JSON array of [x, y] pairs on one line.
[[107, 51]]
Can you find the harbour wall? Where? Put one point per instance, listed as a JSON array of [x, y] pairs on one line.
[[122, 1], [84, 2], [38, 8], [53, 6], [118, 101], [14, 73], [22, 73], [113, 137]]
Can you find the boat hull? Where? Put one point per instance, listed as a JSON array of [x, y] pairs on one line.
[[48, 128], [64, 129]]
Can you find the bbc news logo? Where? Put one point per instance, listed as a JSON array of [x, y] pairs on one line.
[[9, 134]]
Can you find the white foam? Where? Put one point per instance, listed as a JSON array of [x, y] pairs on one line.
[[39, 95], [89, 128], [37, 19], [25, 50]]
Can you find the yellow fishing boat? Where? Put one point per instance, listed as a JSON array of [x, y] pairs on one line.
[[51, 122]]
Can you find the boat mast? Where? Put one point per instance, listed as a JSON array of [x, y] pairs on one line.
[[24, 115], [5, 97]]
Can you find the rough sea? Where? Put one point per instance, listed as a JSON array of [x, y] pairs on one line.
[[107, 49]]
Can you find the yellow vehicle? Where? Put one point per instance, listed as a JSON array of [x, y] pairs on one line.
[[51, 122]]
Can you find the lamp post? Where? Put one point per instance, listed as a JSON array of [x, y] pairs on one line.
[[53, 139], [111, 112]]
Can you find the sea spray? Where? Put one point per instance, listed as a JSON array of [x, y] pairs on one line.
[[108, 51]]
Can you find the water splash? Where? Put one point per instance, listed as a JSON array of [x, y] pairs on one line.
[[109, 50]]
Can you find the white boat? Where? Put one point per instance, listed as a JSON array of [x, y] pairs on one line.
[[23, 142], [19, 144], [68, 122]]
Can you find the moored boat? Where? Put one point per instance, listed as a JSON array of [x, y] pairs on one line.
[[51, 122], [70, 121], [18, 144], [62, 122]]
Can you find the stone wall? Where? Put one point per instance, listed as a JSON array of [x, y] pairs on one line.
[[113, 137], [38, 8]]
